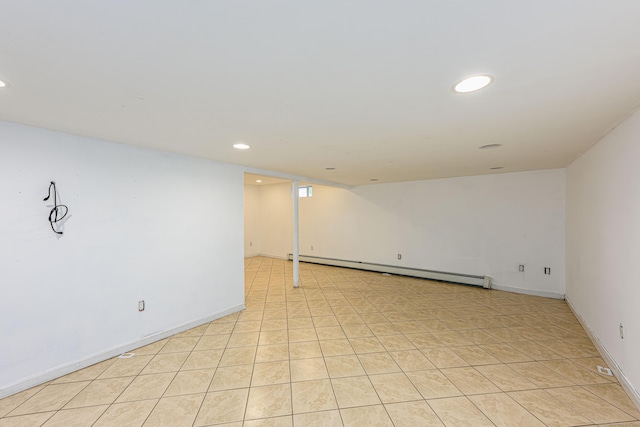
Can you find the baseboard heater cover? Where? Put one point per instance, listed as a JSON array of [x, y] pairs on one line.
[[466, 279]]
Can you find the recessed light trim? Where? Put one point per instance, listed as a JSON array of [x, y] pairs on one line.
[[489, 146], [473, 83], [495, 168], [374, 179], [329, 169], [241, 146]]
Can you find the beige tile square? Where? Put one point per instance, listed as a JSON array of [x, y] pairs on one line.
[[548, 409], [100, 392], [506, 378], [505, 353], [344, 366], [308, 369], [474, 355], [443, 357], [354, 391], [238, 356], [274, 337], [29, 420], [393, 388], [175, 411], [323, 321], [90, 373], [190, 382], [589, 405], [330, 333], [503, 411], [269, 401], [312, 396], [126, 367], [304, 350], [231, 377], [78, 417], [459, 411], [212, 342], [614, 394], [146, 387], [336, 347], [540, 375], [378, 363], [150, 349], [169, 362], [202, 360], [302, 334], [128, 414], [286, 421], [417, 413], [470, 381], [575, 373], [8, 404], [366, 345], [272, 353], [318, 419], [301, 321], [433, 384], [222, 407], [274, 325], [249, 326], [396, 343], [243, 339], [179, 345], [220, 328], [411, 360], [366, 416], [271, 373], [50, 398]]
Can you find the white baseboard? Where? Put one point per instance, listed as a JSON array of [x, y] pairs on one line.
[[527, 291], [609, 360], [65, 369]]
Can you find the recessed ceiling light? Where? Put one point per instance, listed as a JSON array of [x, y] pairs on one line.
[[497, 167], [329, 169], [2, 84], [490, 146], [258, 180], [241, 146], [374, 179], [471, 84]]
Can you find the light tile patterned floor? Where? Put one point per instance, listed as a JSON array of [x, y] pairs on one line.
[[348, 348]]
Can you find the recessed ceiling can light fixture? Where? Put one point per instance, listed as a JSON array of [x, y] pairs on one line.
[[374, 179], [473, 83], [241, 146], [495, 168], [490, 146], [329, 169]]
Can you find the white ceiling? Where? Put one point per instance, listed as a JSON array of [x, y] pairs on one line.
[[363, 85]]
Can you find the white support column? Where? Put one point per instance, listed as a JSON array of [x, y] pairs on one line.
[[296, 246]]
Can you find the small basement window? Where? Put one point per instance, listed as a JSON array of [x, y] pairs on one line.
[[305, 191]]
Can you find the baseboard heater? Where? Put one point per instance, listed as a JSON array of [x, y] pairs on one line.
[[466, 279]]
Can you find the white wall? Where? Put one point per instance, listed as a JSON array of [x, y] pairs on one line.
[[251, 220], [603, 243], [143, 224], [276, 220]]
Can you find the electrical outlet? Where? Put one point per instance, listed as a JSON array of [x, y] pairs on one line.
[[521, 267], [547, 270], [399, 256], [604, 371], [621, 331], [141, 305]]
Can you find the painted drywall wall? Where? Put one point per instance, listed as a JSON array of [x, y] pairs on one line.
[[142, 224], [276, 220], [482, 225], [603, 243], [251, 220]]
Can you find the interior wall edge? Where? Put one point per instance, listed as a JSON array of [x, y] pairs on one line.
[[633, 394], [68, 368]]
